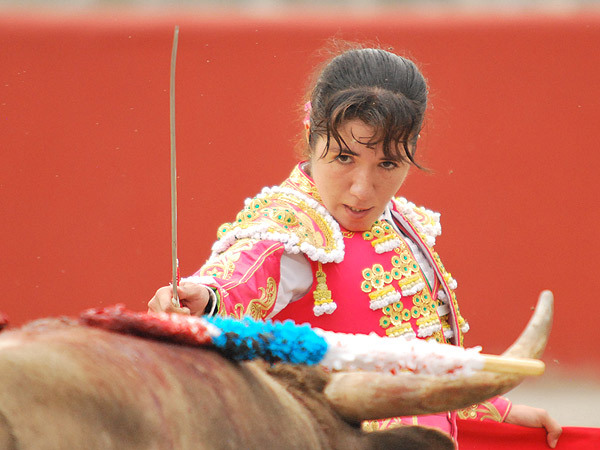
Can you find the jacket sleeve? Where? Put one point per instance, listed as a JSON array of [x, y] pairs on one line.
[[252, 278], [493, 410]]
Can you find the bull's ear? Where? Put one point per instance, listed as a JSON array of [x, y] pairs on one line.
[[408, 438], [361, 396]]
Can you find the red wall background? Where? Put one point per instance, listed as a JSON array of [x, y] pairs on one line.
[[512, 139]]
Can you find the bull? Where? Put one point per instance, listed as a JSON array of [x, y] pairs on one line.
[[67, 385]]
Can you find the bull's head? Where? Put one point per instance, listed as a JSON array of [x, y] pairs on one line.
[[63, 385], [356, 396]]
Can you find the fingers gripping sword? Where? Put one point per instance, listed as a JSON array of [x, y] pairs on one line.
[[174, 260]]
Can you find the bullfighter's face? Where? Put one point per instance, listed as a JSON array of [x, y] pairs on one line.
[[356, 182]]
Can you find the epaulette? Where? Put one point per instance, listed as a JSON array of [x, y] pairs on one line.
[[426, 222], [288, 216]]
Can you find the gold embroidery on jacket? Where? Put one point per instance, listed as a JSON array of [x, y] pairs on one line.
[[388, 424], [276, 210], [321, 294], [301, 182], [379, 233], [482, 411], [382, 424], [259, 308], [398, 317], [223, 265], [393, 321], [375, 277]]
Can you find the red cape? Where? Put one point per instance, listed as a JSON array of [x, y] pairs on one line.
[[474, 435]]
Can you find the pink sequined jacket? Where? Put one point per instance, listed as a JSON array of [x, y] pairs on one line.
[[285, 257]]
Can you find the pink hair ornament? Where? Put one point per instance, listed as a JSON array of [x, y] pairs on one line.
[[308, 109]]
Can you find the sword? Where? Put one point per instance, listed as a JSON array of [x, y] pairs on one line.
[[174, 259]]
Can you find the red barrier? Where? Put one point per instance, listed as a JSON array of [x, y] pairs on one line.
[[84, 133]]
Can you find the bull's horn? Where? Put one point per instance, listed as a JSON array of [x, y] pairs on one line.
[[358, 396], [532, 342]]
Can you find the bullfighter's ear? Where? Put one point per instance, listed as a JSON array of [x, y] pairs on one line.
[[408, 438]]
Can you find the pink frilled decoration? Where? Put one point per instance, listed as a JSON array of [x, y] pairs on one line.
[[308, 109]]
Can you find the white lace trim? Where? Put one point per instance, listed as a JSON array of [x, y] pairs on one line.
[[385, 300], [428, 330], [387, 246], [325, 308], [413, 288], [414, 213]]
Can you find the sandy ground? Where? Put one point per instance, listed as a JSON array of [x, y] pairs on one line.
[[573, 399]]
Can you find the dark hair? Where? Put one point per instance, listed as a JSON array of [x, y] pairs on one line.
[[382, 89]]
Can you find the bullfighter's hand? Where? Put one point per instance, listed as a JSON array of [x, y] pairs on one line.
[[193, 298], [528, 416]]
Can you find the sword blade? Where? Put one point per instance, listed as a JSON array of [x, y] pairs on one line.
[[174, 259]]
